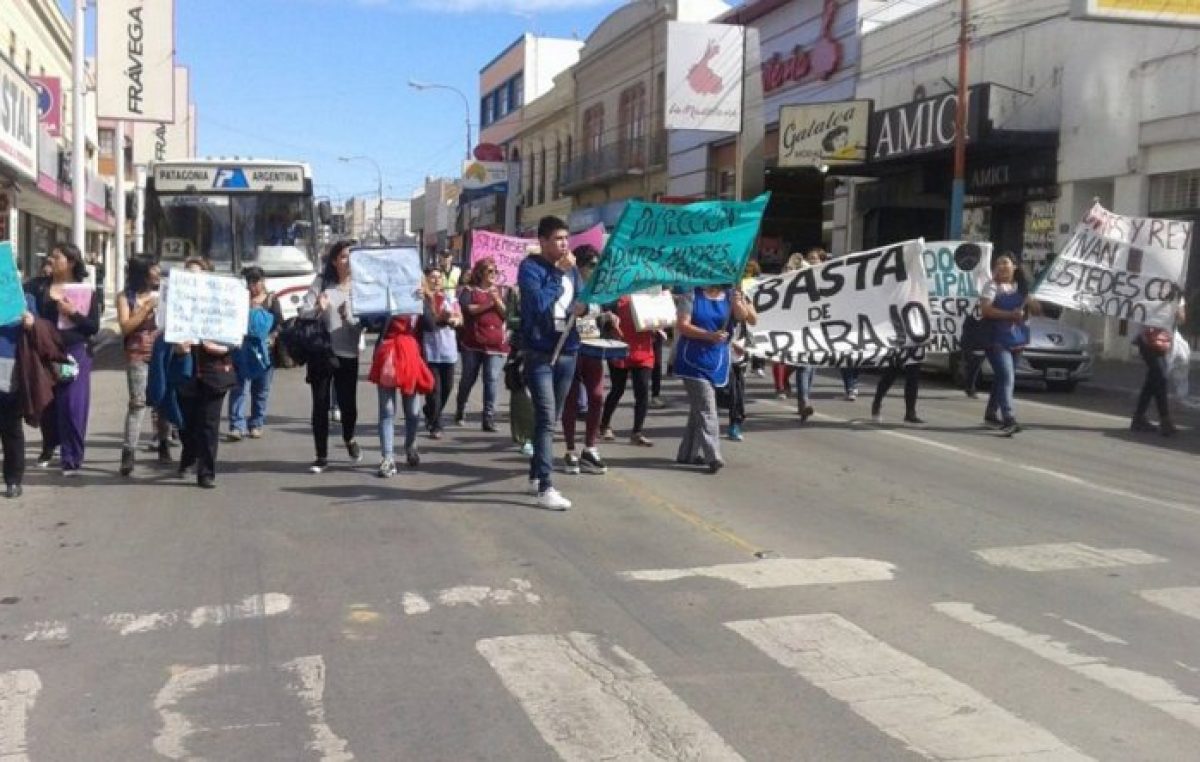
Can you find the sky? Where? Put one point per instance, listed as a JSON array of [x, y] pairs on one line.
[[313, 80]]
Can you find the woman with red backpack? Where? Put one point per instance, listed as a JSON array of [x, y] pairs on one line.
[[484, 340], [398, 367]]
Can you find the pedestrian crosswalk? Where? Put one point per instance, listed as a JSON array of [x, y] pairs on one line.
[[589, 695]]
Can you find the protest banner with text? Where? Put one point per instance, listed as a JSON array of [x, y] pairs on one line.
[[387, 281], [956, 272], [1131, 268], [507, 251], [869, 309], [701, 244], [206, 307], [12, 297]]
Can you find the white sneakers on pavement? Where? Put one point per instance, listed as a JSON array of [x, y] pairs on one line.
[[553, 500]]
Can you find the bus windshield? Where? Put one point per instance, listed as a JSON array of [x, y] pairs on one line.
[[189, 226], [274, 232]]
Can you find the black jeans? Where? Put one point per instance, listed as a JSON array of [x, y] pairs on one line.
[[737, 395], [1155, 386], [912, 384], [201, 406], [12, 437], [618, 377], [657, 375], [344, 382], [435, 401], [974, 369]]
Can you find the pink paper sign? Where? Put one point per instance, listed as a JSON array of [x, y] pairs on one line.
[[508, 251], [80, 297]]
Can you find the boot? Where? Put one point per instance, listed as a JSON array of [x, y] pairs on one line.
[[1166, 427], [126, 461], [1141, 423], [164, 453]]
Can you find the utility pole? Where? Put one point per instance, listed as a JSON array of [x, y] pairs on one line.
[[78, 130], [958, 190]]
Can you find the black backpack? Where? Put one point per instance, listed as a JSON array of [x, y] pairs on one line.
[[307, 340]]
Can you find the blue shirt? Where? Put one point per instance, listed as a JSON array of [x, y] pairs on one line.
[[698, 359]]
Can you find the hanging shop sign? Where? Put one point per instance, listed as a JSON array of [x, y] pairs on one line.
[[927, 125]]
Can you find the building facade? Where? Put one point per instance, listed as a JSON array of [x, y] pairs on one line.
[[546, 141]]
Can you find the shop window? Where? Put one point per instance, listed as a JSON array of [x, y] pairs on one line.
[[504, 107], [108, 141]]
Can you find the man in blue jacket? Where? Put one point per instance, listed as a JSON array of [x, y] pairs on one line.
[[548, 284]]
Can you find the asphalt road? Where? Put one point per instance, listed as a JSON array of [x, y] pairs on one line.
[[841, 591]]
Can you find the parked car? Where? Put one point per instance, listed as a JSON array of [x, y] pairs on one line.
[[1058, 355]]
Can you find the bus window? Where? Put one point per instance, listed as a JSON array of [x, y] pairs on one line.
[[186, 226], [274, 232]]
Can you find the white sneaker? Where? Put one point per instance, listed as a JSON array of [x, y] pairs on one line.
[[336, 415], [552, 500], [532, 489]]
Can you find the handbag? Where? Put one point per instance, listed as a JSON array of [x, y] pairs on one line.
[[652, 311], [1157, 340]]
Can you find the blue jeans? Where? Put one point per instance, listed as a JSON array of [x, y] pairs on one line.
[[548, 387], [473, 361], [850, 380], [387, 420], [260, 391], [804, 383], [1004, 380]]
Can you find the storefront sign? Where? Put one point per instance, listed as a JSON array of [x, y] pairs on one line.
[[824, 134], [49, 103], [230, 178], [485, 175], [1038, 236], [18, 121], [704, 77], [1037, 169], [135, 60], [927, 125], [1166, 12], [806, 64]]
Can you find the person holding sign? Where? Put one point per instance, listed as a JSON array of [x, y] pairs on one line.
[[12, 425], [202, 398], [137, 311], [1155, 345], [328, 299], [398, 367], [702, 360], [66, 300], [548, 283], [1005, 303]]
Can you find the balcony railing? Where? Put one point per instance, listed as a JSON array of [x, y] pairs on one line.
[[614, 161]]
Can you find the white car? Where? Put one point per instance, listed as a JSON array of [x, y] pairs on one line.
[[1058, 355]]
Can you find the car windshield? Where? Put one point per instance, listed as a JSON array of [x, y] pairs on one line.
[[187, 226], [275, 232]]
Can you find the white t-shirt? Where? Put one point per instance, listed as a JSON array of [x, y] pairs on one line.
[[562, 307], [994, 289]]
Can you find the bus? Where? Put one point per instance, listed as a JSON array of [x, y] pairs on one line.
[[236, 213]]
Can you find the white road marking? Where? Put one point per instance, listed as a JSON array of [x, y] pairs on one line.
[[1149, 689], [1181, 600], [930, 712], [176, 728], [309, 672], [520, 591], [252, 607], [1062, 556], [48, 631], [592, 700], [306, 680], [19, 690], [1103, 637], [779, 572]]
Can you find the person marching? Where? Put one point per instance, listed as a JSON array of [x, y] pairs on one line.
[[638, 365], [397, 366], [1154, 345], [137, 312], [439, 345], [65, 421], [589, 379], [329, 299], [12, 424], [253, 359], [1005, 304], [484, 344], [735, 393], [911, 368], [702, 360], [548, 283]]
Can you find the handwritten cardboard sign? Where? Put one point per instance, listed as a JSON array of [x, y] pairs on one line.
[[386, 281], [206, 307]]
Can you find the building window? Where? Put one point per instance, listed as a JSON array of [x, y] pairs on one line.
[[28, 61], [660, 88], [529, 185], [504, 107], [108, 141], [557, 170], [541, 193], [485, 110], [593, 128], [497, 113], [632, 124], [516, 91]]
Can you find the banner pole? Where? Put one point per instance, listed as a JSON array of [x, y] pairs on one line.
[[562, 340]]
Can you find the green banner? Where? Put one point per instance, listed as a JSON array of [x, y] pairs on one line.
[[12, 298], [701, 244]]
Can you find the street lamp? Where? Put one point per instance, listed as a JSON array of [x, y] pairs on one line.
[[414, 84], [379, 176]]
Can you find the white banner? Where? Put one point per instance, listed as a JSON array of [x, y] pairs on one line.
[[171, 140], [704, 77], [206, 307], [386, 282], [1124, 267], [819, 134], [135, 60], [956, 272], [18, 122], [869, 308]]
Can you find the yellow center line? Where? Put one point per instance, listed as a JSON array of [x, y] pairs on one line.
[[648, 496]]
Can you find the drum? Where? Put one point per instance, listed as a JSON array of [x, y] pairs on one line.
[[604, 349]]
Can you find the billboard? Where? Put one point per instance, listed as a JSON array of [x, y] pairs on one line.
[[485, 175], [824, 134], [160, 141], [1165, 12], [135, 60], [705, 67], [18, 121]]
